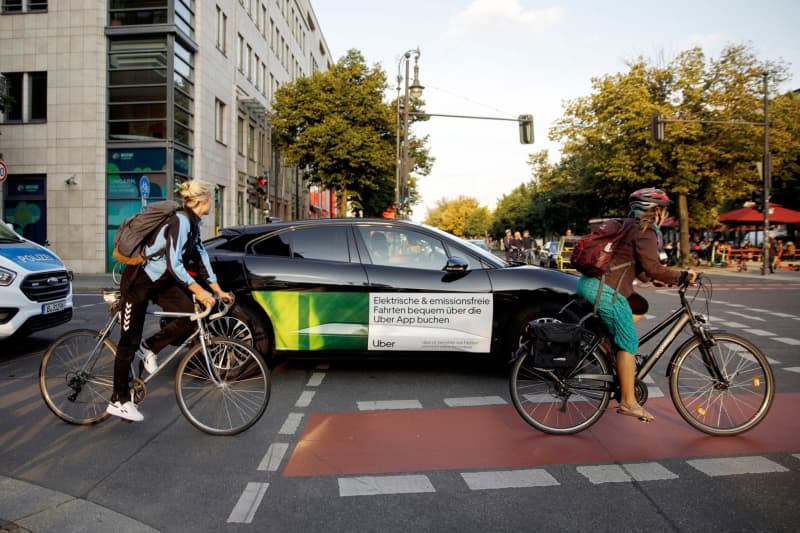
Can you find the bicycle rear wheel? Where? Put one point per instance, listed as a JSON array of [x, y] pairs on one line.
[[728, 407], [233, 398], [561, 401], [76, 376]]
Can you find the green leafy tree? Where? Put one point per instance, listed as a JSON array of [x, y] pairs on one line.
[[336, 127], [462, 217], [707, 157]]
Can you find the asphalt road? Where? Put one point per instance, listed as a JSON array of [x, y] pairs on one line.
[[428, 445]]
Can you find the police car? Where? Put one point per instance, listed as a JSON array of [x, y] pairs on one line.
[[35, 286]]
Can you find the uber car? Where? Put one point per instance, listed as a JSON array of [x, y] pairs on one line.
[[374, 286], [35, 286]]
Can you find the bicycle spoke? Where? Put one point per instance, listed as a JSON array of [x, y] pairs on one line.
[[726, 407], [233, 399]]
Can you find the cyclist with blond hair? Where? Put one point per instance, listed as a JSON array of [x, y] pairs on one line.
[[165, 280]]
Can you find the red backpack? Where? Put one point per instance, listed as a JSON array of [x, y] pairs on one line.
[[593, 252]]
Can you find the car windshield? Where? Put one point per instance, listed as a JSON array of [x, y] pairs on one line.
[[7, 234], [487, 256]]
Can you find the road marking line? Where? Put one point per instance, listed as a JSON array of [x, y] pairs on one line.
[[648, 471], [749, 317], [604, 474], [747, 356], [732, 466], [793, 369], [291, 424], [388, 405], [786, 340], [472, 401], [375, 485], [760, 332], [782, 315], [316, 379], [513, 479], [245, 509], [728, 324], [736, 305], [654, 392], [796, 455], [305, 398], [272, 459]]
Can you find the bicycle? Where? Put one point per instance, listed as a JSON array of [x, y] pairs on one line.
[[720, 383], [222, 385]]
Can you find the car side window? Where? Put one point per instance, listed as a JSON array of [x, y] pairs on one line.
[[402, 247], [326, 243], [277, 245]]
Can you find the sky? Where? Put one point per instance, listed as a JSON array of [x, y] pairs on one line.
[[504, 58]]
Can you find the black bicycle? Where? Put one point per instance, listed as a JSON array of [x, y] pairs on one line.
[[720, 383]]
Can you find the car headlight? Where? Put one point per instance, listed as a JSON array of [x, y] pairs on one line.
[[6, 276]]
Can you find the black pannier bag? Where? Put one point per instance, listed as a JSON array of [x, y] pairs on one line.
[[556, 345]]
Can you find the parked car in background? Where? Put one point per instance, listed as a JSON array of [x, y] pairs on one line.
[[35, 286], [547, 254], [378, 287], [480, 243]]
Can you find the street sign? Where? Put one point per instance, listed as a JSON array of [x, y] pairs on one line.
[[144, 187], [3, 171]]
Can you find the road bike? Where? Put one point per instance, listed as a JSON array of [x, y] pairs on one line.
[[719, 382], [222, 385]]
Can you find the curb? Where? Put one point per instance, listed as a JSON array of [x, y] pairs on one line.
[[35, 508]]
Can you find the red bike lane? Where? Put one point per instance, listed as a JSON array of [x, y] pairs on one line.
[[495, 437]]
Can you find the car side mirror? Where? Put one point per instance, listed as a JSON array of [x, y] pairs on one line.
[[456, 265]]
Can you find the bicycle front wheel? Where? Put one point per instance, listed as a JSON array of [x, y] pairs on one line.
[[76, 376], [558, 401], [732, 405], [226, 392]]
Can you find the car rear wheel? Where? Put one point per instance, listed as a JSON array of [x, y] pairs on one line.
[[259, 327]]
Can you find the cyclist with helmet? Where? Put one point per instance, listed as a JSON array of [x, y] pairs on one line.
[[620, 307]]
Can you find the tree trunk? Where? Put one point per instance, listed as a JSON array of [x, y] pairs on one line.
[[683, 217]]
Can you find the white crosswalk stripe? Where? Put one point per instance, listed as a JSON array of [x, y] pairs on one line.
[[732, 466]]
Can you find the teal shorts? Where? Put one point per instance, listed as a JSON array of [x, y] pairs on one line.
[[615, 311]]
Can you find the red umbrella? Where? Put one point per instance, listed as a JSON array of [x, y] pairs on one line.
[[748, 215]]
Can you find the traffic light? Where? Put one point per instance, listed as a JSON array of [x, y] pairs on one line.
[[262, 186], [525, 129], [657, 127], [758, 201], [252, 191]]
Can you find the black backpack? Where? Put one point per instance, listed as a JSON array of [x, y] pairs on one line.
[[136, 232]]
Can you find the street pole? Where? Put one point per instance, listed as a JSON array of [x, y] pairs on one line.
[[767, 181], [401, 148]]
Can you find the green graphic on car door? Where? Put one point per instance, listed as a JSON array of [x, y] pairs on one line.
[[317, 320], [379, 321]]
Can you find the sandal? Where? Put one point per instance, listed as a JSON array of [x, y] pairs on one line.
[[638, 411]]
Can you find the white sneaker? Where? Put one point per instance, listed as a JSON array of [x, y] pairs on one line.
[[147, 357], [127, 410]]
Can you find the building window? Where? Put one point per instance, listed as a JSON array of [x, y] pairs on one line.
[[137, 89], [132, 13], [251, 142], [38, 96], [219, 120], [184, 16], [184, 95], [240, 53], [240, 135], [27, 97], [222, 31], [20, 6], [249, 63]]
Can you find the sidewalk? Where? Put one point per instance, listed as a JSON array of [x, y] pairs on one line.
[[27, 507]]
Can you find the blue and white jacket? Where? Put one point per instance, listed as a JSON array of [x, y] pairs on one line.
[[171, 244]]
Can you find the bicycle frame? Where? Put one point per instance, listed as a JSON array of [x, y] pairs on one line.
[[197, 317]]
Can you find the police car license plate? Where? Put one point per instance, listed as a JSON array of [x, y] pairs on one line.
[[53, 307]]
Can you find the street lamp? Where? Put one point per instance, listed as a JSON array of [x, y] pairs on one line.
[[401, 152]]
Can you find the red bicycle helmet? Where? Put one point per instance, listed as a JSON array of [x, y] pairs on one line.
[[648, 198]]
